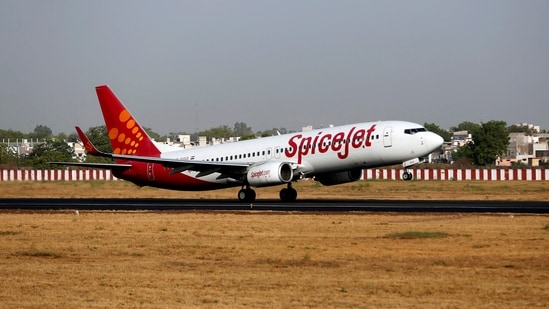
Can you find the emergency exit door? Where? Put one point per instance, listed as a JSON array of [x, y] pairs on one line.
[[387, 136]]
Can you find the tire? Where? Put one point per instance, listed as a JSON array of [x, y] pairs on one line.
[[407, 176], [246, 195], [288, 195]]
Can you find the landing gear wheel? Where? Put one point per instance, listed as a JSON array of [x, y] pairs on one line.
[[288, 194], [407, 176], [246, 195]]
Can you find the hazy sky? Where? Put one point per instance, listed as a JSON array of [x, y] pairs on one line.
[[182, 65]]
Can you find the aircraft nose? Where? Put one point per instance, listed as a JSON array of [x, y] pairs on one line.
[[434, 140]]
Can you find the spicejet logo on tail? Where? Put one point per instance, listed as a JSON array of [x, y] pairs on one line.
[[339, 142], [127, 135]]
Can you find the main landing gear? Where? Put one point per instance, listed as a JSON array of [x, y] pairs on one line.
[[288, 194], [247, 194]]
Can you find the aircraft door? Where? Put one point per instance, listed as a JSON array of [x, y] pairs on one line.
[[150, 171], [387, 142]]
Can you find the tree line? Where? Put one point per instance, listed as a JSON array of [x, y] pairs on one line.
[[489, 141]]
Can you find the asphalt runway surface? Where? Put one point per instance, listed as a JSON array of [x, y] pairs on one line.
[[159, 204]]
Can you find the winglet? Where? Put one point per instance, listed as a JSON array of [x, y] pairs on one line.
[[90, 148]]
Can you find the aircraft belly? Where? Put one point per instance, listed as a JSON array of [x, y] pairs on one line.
[[160, 177]]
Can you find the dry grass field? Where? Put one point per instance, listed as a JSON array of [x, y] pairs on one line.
[[386, 189], [61, 259]]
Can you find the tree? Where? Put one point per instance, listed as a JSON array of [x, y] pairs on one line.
[[11, 135], [153, 135], [466, 126], [247, 137], [272, 132], [242, 129], [58, 151], [218, 132], [463, 153], [100, 139], [73, 137], [489, 142], [520, 129], [62, 137], [41, 132], [446, 135], [7, 155]]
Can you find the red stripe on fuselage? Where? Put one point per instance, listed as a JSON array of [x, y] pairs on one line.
[[141, 174]]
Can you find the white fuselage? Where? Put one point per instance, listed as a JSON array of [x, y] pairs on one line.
[[327, 150]]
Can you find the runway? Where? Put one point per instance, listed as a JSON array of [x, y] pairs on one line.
[[403, 206]]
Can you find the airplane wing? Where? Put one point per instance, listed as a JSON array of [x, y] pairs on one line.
[[203, 167]]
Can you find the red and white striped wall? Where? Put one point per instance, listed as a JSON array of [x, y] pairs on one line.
[[460, 174], [369, 174], [55, 175]]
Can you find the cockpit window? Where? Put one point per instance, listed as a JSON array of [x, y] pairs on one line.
[[414, 131]]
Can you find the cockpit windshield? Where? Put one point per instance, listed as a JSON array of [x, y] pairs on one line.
[[414, 130]]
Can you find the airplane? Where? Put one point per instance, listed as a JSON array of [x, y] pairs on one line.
[[331, 156]]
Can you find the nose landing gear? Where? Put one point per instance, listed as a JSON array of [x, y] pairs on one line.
[[407, 175]]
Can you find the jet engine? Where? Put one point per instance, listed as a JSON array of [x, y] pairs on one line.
[[337, 178], [270, 173]]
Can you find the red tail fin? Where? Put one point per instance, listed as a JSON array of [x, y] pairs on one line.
[[125, 134]]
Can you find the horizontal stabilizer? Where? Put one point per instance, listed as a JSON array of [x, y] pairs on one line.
[[110, 166]]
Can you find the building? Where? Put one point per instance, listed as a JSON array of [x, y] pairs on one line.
[[526, 149]]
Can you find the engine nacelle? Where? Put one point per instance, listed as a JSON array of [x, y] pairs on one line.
[[270, 173], [337, 178]]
